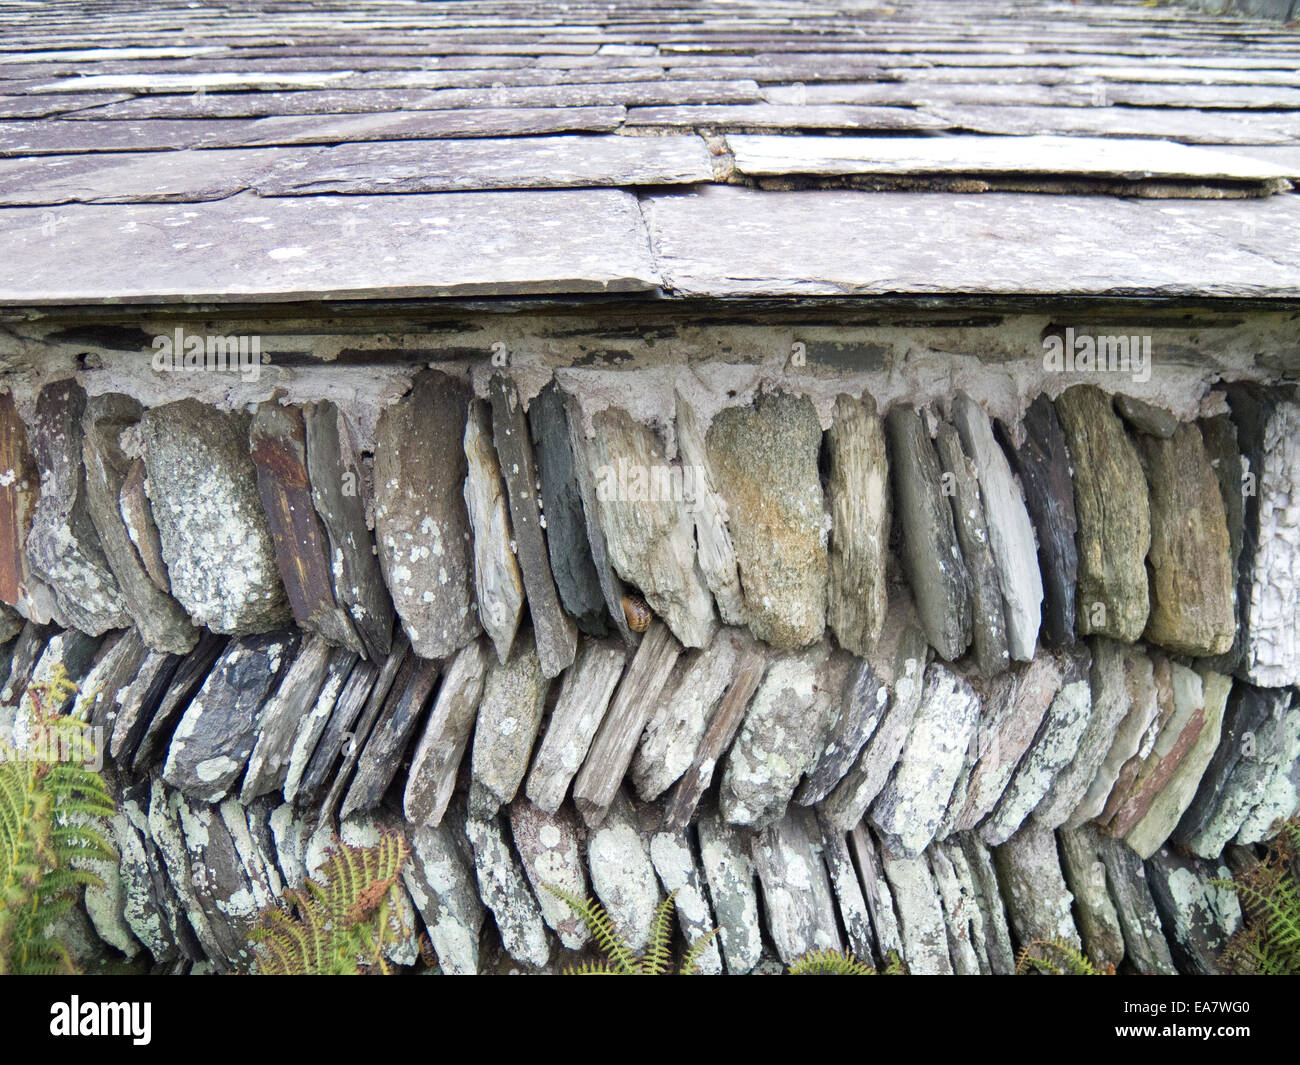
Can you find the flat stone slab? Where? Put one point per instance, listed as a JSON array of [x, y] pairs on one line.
[[962, 154], [1186, 125], [784, 117], [525, 243], [743, 242], [495, 163]]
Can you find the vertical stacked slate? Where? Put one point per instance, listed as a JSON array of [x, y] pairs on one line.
[[1042, 463], [765, 460], [421, 525], [215, 539], [278, 445], [160, 620], [1114, 518], [334, 467], [931, 555], [63, 549]]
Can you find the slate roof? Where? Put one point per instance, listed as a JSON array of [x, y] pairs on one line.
[[271, 151]]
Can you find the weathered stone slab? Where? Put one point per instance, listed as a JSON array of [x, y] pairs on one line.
[[63, 549], [961, 915], [765, 461], [729, 870], [312, 722], [849, 900], [799, 250], [876, 893], [932, 558], [1011, 536], [20, 489], [679, 871], [778, 740], [857, 491], [1191, 572], [648, 534], [509, 715], [898, 661], [1224, 453], [1271, 440], [1015, 705], [504, 890], [1180, 722], [448, 165], [1146, 417], [717, 738], [863, 702], [983, 880], [1109, 706], [1277, 793], [714, 551], [673, 733], [988, 617], [553, 632], [622, 875], [497, 581], [1052, 749], [440, 879], [100, 692], [185, 683], [1042, 463], [367, 685], [215, 540], [380, 758], [962, 154], [437, 758], [145, 913], [137, 517], [1085, 875], [920, 915], [1199, 915], [1167, 807], [421, 525], [797, 896], [585, 693], [215, 736], [334, 468], [137, 704], [1110, 500], [280, 716], [572, 566], [620, 728], [611, 585], [530, 242], [1033, 886], [910, 807], [1145, 945], [549, 846], [161, 621], [1130, 683], [27, 650], [278, 444]]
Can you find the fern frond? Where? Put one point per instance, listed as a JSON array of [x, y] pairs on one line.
[[827, 962], [339, 923], [602, 930], [1055, 956], [657, 959], [691, 960]]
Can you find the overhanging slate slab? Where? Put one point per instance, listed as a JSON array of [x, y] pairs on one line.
[[782, 116], [1180, 124], [493, 163], [731, 242], [326, 247], [1267, 227], [1092, 157]]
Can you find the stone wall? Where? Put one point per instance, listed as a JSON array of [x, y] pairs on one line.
[[883, 635]]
